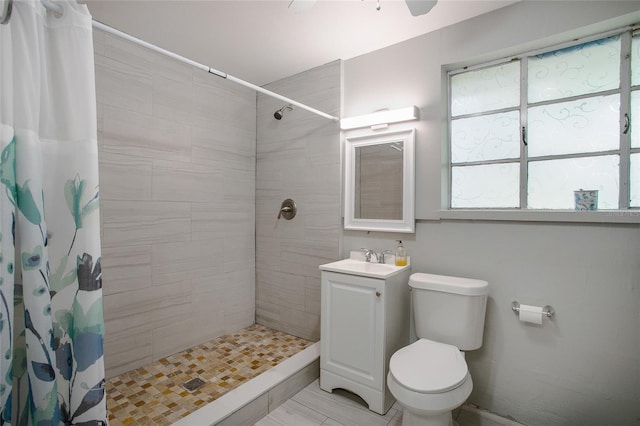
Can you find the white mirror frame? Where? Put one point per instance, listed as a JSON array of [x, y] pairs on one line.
[[407, 224]]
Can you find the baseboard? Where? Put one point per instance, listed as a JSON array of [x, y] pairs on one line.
[[482, 417]]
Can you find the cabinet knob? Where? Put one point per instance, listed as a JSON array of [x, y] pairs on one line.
[[378, 293]]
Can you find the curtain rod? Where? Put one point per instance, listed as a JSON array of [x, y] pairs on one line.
[[97, 24], [208, 69]]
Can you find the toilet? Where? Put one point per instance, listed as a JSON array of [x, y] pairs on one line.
[[430, 378]]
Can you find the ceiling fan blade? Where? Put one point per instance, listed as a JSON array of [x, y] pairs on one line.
[[420, 7], [301, 5]]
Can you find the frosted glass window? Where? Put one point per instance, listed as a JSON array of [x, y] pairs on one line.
[[487, 137], [635, 180], [551, 183], [635, 59], [570, 104], [635, 119], [579, 70], [486, 186], [488, 89], [585, 125]]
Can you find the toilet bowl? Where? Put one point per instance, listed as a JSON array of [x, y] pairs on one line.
[[429, 379]]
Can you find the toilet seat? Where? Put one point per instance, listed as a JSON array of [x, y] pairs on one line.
[[429, 367]]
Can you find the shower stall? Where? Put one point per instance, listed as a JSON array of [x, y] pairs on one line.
[[193, 169]]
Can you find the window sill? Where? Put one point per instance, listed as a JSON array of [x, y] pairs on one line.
[[600, 216]]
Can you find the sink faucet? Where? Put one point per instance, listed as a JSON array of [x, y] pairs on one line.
[[381, 257], [368, 253]]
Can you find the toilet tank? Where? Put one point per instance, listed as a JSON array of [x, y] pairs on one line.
[[449, 309]]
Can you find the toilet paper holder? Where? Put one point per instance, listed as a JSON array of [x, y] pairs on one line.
[[547, 310]]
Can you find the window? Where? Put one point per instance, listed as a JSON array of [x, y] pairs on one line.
[[526, 133]]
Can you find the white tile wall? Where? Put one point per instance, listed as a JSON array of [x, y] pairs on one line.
[[177, 178], [143, 135], [129, 268], [298, 157], [182, 231]]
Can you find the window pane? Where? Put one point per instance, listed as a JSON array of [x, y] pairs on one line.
[[551, 183], [585, 125], [587, 68], [490, 185], [487, 89], [635, 180], [635, 59], [635, 119], [487, 137]]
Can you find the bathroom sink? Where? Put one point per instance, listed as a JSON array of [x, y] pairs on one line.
[[353, 266]]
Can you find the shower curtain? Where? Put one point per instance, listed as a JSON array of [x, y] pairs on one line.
[[51, 321]]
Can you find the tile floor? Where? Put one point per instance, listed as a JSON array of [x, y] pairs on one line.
[[313, 407], [154, 394]]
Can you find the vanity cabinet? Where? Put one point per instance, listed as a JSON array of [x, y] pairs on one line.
[[364, 320]]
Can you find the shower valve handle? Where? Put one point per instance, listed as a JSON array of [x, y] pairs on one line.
[[288, 209], [285, 209]]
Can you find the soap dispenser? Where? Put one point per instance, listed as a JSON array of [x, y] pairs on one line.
[[401, 254]]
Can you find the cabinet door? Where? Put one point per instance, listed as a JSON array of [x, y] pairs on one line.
[[352, 324]]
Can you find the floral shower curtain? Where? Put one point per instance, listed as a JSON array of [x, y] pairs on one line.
[[51, 321]]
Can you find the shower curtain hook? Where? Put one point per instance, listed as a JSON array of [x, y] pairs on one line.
[[6, 14]]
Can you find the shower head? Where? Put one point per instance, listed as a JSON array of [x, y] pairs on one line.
[[280, 113]]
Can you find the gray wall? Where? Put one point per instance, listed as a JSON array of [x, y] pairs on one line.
[[583, 367], [298, 157], [177, 188]]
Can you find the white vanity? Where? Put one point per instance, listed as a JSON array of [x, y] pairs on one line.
[[364, 320]]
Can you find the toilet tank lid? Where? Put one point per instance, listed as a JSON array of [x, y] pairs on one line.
[[464, 286]]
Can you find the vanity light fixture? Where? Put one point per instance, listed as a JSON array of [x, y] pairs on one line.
[[381, 119]]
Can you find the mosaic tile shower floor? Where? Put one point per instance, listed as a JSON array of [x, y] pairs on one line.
[[154, 394]]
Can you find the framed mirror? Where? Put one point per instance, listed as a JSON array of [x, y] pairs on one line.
[[379, 182]]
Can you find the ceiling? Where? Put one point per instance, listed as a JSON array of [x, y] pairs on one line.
[[262, 41]]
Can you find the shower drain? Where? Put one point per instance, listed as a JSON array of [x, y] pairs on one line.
[[193, 384]]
